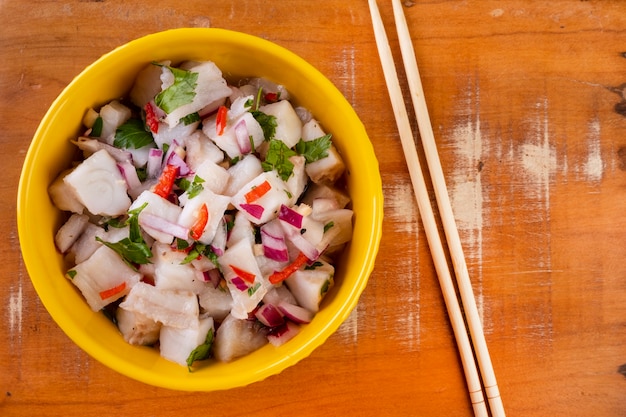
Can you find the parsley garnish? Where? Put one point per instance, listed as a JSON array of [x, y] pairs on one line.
[[71, 273], [96, 129], [313, 266], [277, 158], [328, 226], [182, 92], [193, 188], [133, 249], [252, 290], [267, 122], [315, 149], [201, 352], [201, 249], [190, 118], [132, 135]]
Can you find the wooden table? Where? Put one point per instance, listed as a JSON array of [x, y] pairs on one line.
[[522, 98]]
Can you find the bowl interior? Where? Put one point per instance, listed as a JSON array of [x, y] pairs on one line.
[[238, 55]]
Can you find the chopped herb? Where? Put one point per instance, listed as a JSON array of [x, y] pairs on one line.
[[132, 135], [259, 95], [289, 195], [96, 129], [201, 352], [328, 226], [249, 103], [198, 250], [142, 173], [277, 158], [182, 92], [71, 273], [235, 160], [253, 289], [313, 266], [133, 249], [190, 118], [267, 122], [325, 287], [193, 188], [181, 244], [315, 149], [302, 231]]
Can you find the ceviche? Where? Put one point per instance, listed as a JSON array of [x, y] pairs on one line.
[[204, 216]]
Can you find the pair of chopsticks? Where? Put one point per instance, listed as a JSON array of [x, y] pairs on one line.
[[471, 354]]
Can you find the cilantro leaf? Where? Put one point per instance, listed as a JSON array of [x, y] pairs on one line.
[[267, 122], [182, 92], [96, 129], [132, 135], [198, 250], [315, 149], [201, 352], [193, 188], [190, 118], [133, 249], [131, 252], [277, 158]]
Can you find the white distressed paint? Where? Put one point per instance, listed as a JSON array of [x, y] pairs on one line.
[[401, 209], [466, 189], [346, 65], [15, 309], [593, 167], [538, 156]]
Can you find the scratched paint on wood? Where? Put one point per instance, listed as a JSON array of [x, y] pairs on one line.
[[401, 209]]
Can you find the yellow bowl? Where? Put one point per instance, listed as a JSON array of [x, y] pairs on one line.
[[238, 55]]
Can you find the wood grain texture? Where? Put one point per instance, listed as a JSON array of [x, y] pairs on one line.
[[521, 96]]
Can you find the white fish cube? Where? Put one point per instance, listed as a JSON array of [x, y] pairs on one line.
[[99, 185], [172, 308], [103, 278], [216, 205], [170, 273], [288, 124], [177, 344], [246, 295], [266, 207], [160, 207], [309, 286]]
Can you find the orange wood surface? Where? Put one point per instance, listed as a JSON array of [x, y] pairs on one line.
[[522, 98]]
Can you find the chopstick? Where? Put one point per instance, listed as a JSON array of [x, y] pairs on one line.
[[430, 226]]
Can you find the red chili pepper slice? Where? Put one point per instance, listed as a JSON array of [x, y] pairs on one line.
[[280, 276], [198, 226], [152, 121], [245, 275], [112, 291], [271, 97], [257, 192], [164, 187], [220, 121]]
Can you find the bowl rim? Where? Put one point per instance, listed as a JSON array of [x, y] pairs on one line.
[[31, 252]]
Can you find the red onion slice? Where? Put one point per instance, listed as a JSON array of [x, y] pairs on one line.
[[254, 210], [151, 221], [269, 315], [239, 284], [290, 216], [280, 335], [274, 246], [129, 173], [295, 313], [219, 241], [155, 160], [307, 248], [243, 137]]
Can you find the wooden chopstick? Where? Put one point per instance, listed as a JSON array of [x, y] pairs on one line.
[[428, 219], [445, 211]]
